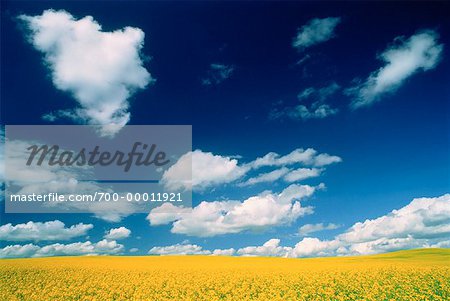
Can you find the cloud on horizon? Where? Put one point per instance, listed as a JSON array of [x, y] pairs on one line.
[[423, 223], [103, 247]]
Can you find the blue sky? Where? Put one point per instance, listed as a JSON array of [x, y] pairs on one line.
[[365, 82]]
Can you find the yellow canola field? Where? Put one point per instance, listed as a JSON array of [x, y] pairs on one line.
[[406, 275]]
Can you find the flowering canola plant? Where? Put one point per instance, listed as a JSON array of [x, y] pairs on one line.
[[406, 275]]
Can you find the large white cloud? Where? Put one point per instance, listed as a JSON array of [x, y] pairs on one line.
[[316, 31], [425, 222], [38, 231], [206, 169], [209, 170], [223, 217], [101, 70], [103, 247], [420, 52], [117, 233]]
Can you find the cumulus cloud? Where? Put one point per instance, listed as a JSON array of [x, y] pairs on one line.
[[202, 169], [312, 228], [270, 248], [117, 233], [101, 70], [404, 58], [209, 170], [316, 31], [224, 252], [179, 249], [423, 223], [217, 73], [38, 231], [256, 213], [103, 247]]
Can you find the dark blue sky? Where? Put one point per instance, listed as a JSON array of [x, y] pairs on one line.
[[393, 151]]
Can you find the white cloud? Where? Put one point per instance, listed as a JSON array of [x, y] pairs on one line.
[[134, 250], [298, 156], [179, 249], [266, 177], [316, 31], [103, 247], [270, 248], [312, 228], [423, 218], [117, 233], [302, 174], [201, 170], [425, 222], [314, 247], [217, 73], [224, 252], [284, 173], [206, 169], [38, 231], [223, 217], [420, 52], [101, 70]]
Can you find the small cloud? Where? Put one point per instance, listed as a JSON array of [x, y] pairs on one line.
[[117, 233], [217, 73], [224, 252], [317, 110], [404, 58], [316, 31], [312, 228], [179, 249], [134, 250]]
